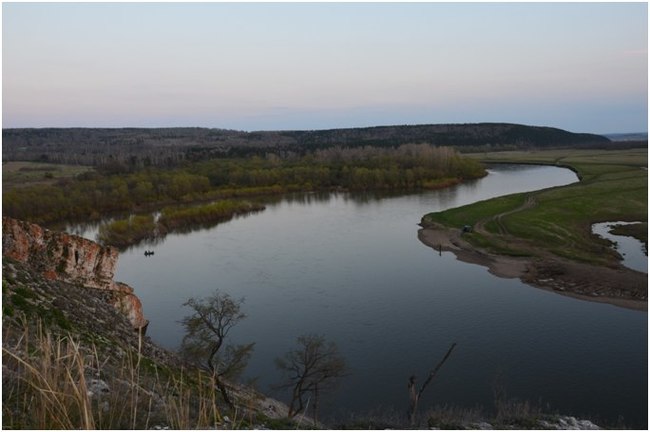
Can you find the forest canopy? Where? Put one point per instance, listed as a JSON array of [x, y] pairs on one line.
[[129, 149], [94, 194]]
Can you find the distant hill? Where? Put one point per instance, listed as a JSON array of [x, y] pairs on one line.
[[169, 146], [634, 136], [457, 135]]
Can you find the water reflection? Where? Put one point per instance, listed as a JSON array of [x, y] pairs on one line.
[[632, 251], [148, 242], [305, 198]]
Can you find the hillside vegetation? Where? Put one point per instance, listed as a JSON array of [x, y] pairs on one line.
[[134, 148]]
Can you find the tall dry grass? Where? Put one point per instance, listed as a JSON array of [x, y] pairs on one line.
[[57, 382]]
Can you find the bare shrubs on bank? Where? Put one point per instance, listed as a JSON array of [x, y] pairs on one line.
[[312, 367]]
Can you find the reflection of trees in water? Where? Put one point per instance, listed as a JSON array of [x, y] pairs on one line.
[[306, 197], [162, 232], [158, 237], [365, 198], [153, 241], [78, 229], [360, 198], [186, 229]]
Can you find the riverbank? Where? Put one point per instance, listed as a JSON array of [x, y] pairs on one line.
[[618, 286], [544, 238]]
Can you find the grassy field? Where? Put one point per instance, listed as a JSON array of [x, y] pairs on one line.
[[630, 157], [613, 187], [17, 174]]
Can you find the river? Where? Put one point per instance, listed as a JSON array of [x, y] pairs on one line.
[[350, 267]]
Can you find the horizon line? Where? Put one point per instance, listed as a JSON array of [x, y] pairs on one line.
[[323, 129]]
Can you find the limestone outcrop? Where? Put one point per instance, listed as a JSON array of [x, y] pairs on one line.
[[72, 259]]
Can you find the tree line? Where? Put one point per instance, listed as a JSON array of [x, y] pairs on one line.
[[94, 194], [407, 166], [129, 149]]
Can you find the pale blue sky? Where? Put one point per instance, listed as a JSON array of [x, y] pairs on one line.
[[581, 66]]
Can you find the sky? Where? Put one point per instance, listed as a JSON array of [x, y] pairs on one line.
[[275, 66]]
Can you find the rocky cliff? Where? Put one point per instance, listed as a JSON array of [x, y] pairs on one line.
[[72, 360], [71, 259]]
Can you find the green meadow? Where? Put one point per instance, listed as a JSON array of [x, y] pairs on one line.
[[18, 174], [613, 187]]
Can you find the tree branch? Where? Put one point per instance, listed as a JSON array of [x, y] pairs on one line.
[[433, 373]]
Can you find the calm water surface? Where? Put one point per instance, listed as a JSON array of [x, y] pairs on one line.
[[631, 249], [352, 268]]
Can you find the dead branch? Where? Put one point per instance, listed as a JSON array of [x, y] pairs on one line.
[[415, 395]]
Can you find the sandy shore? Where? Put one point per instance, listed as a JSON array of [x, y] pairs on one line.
[[618, 285]]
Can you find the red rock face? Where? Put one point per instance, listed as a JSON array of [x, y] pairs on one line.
[[69, 258], [130, 305]]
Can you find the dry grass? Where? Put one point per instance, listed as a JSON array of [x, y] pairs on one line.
[[55, 382], [453, 417]]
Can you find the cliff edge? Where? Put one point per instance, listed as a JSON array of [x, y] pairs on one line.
[[71, 357], [63, 257]]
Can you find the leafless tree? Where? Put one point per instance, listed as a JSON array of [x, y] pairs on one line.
[[206, 330], [310, 368]]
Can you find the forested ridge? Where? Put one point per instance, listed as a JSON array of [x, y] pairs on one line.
[[136, 148]]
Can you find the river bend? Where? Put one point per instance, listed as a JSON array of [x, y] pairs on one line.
[[350, 266]]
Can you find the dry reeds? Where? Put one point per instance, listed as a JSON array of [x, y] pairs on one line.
[[57, 382]]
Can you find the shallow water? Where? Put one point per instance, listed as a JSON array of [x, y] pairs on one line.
[[350, 266], [631, 249]]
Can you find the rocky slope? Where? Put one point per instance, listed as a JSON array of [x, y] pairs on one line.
[[71, 331], [59, 256]]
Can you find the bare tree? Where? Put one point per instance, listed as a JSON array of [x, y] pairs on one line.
[[311, 368], [414, 393], [206, 330]]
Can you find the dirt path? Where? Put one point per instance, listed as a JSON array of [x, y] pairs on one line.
[[530, 202]]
